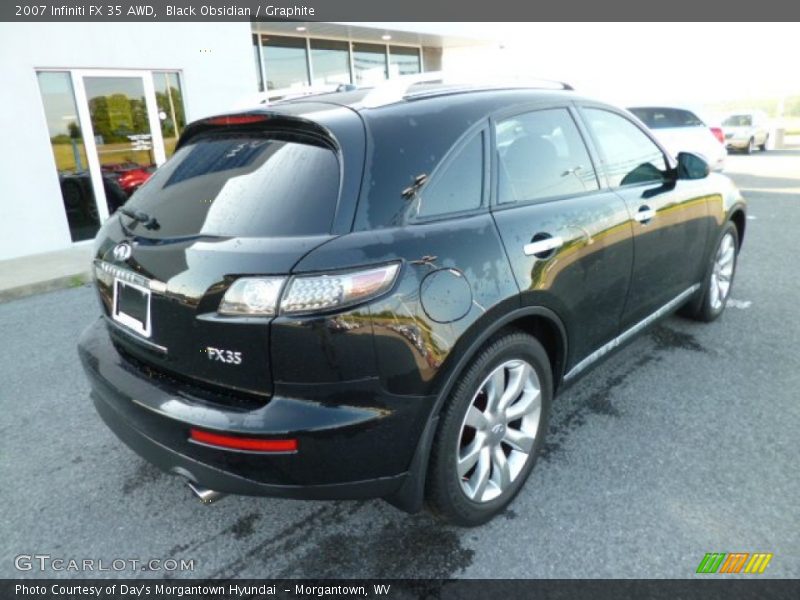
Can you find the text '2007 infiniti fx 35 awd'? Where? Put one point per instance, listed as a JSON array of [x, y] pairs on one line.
[[350, 295]]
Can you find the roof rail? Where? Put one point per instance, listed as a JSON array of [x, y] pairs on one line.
[[396, 90], [273, 96]]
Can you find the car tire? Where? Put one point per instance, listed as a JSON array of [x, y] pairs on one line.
[[503, 396], [751, 145], [763, 147], [714, 294]]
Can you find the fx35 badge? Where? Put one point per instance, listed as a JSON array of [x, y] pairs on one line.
[[226, 356]]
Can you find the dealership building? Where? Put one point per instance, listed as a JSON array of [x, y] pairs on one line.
[[89, 110]]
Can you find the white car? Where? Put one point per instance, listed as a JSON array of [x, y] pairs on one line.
[[681, 130], [745, 130]]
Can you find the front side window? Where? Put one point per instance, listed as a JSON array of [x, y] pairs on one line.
[[630, 156], [458, 186], [542, 155]]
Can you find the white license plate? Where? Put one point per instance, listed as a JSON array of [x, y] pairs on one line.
[[131, 306]]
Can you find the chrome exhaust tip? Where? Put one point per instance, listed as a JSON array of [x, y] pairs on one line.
[[205, 495]]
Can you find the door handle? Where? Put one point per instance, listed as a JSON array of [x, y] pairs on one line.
[[542, 246], [645, 214]]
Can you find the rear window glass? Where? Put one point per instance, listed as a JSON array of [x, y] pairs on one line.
[[241, 186], [663, 118], [738, 121]]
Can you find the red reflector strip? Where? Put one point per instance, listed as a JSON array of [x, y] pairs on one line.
[[242, 443], [236, 119]]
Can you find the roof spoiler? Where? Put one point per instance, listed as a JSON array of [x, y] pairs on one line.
[[262, 119]]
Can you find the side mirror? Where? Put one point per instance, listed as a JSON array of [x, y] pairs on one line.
[[692, 166]]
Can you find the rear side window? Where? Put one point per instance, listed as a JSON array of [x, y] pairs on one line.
[[242, 186], [541, 155], [630, 156], [458, 186], [665, 118]]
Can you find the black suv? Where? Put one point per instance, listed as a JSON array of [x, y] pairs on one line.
[[355, 295]]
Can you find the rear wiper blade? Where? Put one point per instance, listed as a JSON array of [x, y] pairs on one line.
[[140, 216]]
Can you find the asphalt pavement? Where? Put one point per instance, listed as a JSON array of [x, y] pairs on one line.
[[683, 443]]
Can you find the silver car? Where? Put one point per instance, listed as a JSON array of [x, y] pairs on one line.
[[681, 130], [746, 130]]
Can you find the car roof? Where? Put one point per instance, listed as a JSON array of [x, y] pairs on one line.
[[364, 98]]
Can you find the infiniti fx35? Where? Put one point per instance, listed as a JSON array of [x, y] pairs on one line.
[[344, 296]]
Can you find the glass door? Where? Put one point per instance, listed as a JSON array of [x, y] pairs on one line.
[[124, 140]]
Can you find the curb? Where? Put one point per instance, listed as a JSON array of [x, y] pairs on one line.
[[49, 285]]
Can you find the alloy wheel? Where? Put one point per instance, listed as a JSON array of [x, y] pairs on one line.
[[722, 272], [499, 430]]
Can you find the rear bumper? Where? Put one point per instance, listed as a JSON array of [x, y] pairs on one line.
[[737, 144], [354, 440]]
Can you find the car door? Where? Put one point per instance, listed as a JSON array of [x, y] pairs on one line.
[[670, 216], [568, 241]]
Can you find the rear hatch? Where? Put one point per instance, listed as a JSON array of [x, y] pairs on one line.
[[240, 196]]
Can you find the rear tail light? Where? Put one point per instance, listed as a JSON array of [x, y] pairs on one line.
[[329, 291], [267, 296], [248, 444], [718, 133], [252, 296]]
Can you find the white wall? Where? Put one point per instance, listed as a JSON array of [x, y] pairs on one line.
[[216, 60]]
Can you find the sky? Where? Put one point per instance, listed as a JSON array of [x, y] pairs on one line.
[[691, 63]]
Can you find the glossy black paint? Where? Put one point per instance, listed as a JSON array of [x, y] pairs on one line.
[[360, 388]]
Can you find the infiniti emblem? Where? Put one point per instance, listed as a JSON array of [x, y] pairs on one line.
[[122, 251]]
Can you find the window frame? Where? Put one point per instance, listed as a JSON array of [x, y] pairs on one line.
[[669, 160], [499, 117], [481, 129]]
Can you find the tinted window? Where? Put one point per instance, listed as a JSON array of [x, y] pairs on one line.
[[245, 186], [630, 156], [541, 155], [458, 186], [663, 118]]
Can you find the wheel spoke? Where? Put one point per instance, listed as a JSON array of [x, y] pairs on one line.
[[482, 474], [518, 440], [527, 404], [470, 455], [714, 291], [494, 389], [516, 383], [727, 256], [501, 472], [476, 419]]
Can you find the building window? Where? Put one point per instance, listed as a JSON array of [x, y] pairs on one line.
[[403, 61], [285, 62], [171, 114], [330, 62], [69, 153], [257, 57], [369, 63]]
